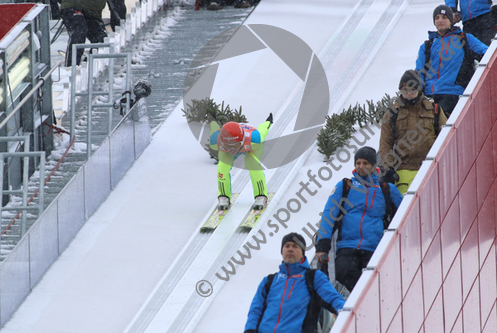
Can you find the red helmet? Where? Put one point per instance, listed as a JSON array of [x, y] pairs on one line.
[[231, 132]]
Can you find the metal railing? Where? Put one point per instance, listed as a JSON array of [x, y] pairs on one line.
[[23, 191], [41, 82], [75, 94], [110, 104], [25, 155]]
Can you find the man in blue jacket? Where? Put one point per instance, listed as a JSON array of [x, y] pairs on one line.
[[360, 216], [282, 304], [445, 61], [476, 18]]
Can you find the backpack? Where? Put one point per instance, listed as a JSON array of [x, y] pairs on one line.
[[395, 114], [313, 309], [390, 210], [467, 67]]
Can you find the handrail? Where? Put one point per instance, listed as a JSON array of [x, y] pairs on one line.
[[31, 92]]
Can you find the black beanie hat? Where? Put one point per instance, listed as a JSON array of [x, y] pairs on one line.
[[293, 237], [367, 153], [411, 79], [444, 10]]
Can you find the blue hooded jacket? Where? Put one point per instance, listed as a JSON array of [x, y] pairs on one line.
[[288, 299], [446, 58], [362, 225], [470, 8]]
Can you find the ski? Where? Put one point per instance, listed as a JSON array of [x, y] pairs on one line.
[[254, 215], [217, 216]]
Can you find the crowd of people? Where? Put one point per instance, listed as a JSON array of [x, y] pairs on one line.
[[219, 4], [360, 209]]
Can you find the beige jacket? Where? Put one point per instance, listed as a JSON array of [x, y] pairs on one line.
[[414, 134]]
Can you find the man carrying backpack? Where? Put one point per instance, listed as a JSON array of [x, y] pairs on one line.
[[446, 60], [408, 131], [290, 300], [357, 209], [477, 18]]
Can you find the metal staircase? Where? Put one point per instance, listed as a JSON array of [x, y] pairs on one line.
[[161, 55]]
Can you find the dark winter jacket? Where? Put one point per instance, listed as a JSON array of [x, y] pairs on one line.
[[470, 8], [362, 224], [91, 8], [414, 133], [288, 300], [446, 58]]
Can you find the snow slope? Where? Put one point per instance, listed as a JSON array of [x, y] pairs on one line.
[[112, 266]]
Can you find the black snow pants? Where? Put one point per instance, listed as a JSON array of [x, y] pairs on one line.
[[482, 27], [80, 26], [117, 14], [349, 264]]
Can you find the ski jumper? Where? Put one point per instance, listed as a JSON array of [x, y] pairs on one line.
[[252, 149]]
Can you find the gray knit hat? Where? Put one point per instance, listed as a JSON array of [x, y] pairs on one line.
[[296, 238], [444, 10], [367, 153]]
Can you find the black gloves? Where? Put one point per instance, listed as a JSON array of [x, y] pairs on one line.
[[493, 10], [270, 118], [390, 176]]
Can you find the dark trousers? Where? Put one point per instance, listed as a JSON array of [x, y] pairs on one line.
[[482, 27], [349, 264], [117, 13], [79, 28], [446, 102], [54, 8]]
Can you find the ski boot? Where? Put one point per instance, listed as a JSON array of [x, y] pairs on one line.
[[260, 202], [224, 203]]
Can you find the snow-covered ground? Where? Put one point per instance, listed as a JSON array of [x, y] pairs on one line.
[[111, 268]]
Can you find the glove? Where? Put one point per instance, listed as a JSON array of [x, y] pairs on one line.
[[390, 176], [270, 118], [493, 10]]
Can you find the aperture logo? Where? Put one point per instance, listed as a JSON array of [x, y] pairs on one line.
[[296, 54]]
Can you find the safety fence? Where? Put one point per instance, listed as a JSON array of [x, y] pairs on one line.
[[436, 270]]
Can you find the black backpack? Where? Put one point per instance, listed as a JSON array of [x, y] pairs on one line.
[[314, 307], [467, 67], [391, 209]]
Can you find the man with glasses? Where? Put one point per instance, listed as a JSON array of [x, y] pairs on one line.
[[231, 141], [408, 131]]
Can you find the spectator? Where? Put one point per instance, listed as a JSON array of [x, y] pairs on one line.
[[408, 130], [231, 141], [117, 12], [290, 300], [356, 209], [446, 62], [219, 4], [476, 18], [83, 19]]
